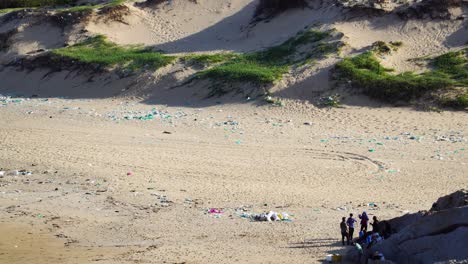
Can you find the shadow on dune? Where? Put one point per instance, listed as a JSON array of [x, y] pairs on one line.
[[237, 32], [224, 35], [459, 38], [78, 85]]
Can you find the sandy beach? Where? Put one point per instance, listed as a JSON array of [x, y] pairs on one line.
[[235, 157], [110, 167]]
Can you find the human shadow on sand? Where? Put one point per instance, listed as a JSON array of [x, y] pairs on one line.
[[322, 244]]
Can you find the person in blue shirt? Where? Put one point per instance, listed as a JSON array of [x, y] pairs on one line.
[[350, 222]]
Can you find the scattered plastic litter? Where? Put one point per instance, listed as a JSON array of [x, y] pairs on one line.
[[163, 201], [188, 201], [215, 211], [125, 114], [6, 100]]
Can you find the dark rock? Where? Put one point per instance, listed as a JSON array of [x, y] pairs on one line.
[[441, 236], [456, 199], [437, 235]]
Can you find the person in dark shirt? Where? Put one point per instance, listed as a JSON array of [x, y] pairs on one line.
[[344, 231], [364, 221], [350, 222], [375, 225]]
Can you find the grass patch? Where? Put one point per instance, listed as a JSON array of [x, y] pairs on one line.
[[82, 8], [211, 58], [98, 50], [8, 10], [396, 44], [459, 101], [365, 72], [267, 66], [454, 65], [244, 71], [381, 47]]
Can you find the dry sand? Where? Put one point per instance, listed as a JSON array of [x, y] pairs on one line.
[[219, 153], [80, 190]]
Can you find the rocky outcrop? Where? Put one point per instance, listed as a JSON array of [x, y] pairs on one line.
[[442, 236], [456, 199], [5, 38], [438, 235]]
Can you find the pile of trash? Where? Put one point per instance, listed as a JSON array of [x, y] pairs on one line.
[[437, 235], [242, 212], [270, 217]]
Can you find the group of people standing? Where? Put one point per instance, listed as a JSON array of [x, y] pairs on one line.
[[347, 227]]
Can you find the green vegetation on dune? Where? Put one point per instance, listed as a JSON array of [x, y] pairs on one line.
[[261, 67], [82, 8], [449, 71], [458, 101], [381, 47], [212, 58], [100, 51], [454, 65], [245, 71], [265, 66], [8, 10]]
